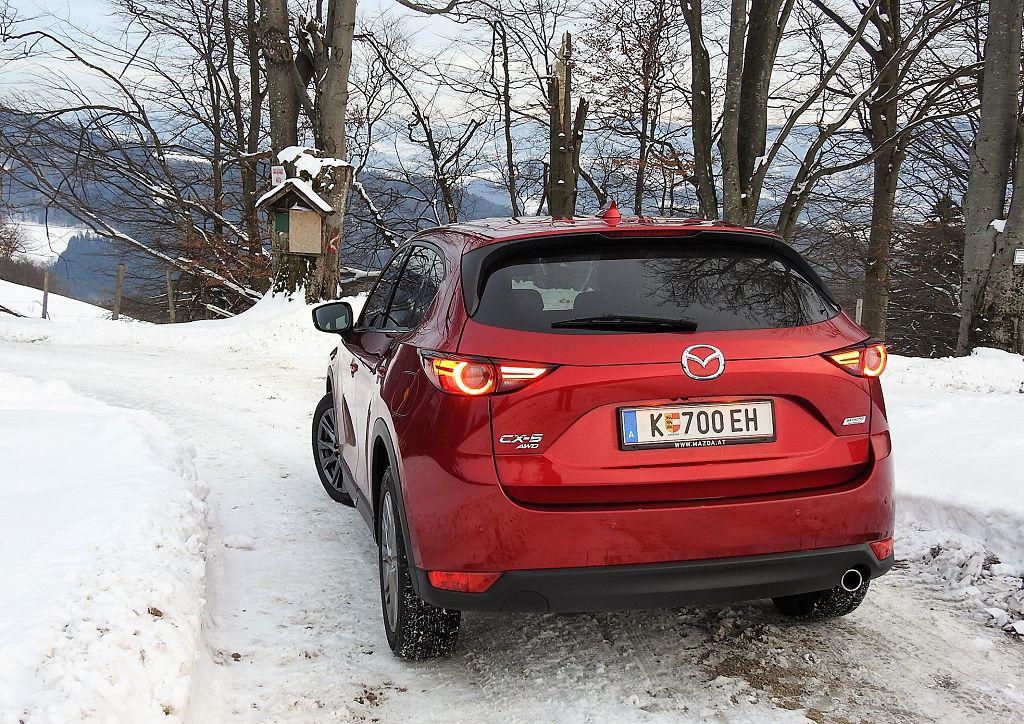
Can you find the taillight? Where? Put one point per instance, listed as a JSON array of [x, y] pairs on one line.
[[862, 361], [474, 376]]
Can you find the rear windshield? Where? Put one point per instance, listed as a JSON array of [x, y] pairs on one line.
[[708, 287]]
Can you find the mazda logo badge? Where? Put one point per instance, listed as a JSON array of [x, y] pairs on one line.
[[703, 362]]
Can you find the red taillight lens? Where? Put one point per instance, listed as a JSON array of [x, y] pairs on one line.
[[477, 376], [862, 361], [875, 358], [462, 582], [462, 377], [882, 549]]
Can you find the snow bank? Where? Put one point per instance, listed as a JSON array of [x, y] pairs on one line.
[[276, 330], [102, 554], [29, 302], [964, 570], [985, 371], [958, 445], [958, 441]]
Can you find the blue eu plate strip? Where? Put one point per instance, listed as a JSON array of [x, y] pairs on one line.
[[629, 433]]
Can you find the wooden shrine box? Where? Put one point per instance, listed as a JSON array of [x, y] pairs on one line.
[[297, 213]]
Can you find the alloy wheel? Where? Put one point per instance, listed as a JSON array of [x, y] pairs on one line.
[[389, 560], [327, 448]]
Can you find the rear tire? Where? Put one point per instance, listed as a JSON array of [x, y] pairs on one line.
[[820, 605], [326, 455], [415, 629]]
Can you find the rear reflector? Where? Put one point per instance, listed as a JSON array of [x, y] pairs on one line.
[[882, 549], [462, 582]]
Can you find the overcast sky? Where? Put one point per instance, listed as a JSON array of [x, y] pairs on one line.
[[94, 14], [91, 13]]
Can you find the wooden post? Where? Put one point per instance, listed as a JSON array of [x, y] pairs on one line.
[[170, 296], [859, 311], [46, 293], [118, 286]]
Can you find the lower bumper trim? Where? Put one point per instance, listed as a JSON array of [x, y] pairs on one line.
[[661, 585]]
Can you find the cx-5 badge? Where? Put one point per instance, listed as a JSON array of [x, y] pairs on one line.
[[703, 362]]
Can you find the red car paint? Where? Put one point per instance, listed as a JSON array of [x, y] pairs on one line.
[[574, 498]]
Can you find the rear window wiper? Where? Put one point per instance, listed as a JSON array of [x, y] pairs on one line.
[[628, 322]]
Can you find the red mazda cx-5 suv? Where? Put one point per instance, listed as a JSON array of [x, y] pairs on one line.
[[597, 415]]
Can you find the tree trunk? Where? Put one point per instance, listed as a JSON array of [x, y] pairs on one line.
[[878, 261], [282, 95], [985, 253], [1002, 300], [763, 36], [289, 271], [506, 120], [250, 180], [883, 117], [641, 164], [335, 181], [728, 144], [700, 91], [753, 46]]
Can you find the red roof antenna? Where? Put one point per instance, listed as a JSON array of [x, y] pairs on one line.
[[610, 213]]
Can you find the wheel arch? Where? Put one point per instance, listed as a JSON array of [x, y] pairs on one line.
[[384, 455]]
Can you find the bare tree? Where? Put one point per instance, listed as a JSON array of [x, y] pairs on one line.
[[907, 85], [446, 134], [633, 63], [511, 85], [146, 153]]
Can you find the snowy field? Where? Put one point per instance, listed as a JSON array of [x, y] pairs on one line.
[[44, 243], [28, 302], [169, 554]]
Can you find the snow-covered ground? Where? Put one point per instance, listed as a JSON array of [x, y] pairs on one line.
[[291, 629], [29, 303]]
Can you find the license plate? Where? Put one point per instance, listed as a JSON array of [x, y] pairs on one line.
[[698, 425]]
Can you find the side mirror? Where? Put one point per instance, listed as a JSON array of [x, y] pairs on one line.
[[336, 317]]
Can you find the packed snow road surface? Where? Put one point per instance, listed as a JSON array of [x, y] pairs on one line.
[[292, 627]]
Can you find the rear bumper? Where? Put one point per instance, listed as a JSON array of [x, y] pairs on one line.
[[456, 525], [662, 585]]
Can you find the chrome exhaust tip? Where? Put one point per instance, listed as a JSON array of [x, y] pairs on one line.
[[851, 581]]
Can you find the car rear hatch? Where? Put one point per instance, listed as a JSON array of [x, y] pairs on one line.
[[685, 369]]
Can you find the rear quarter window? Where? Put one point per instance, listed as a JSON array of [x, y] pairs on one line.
[[717, 287]]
